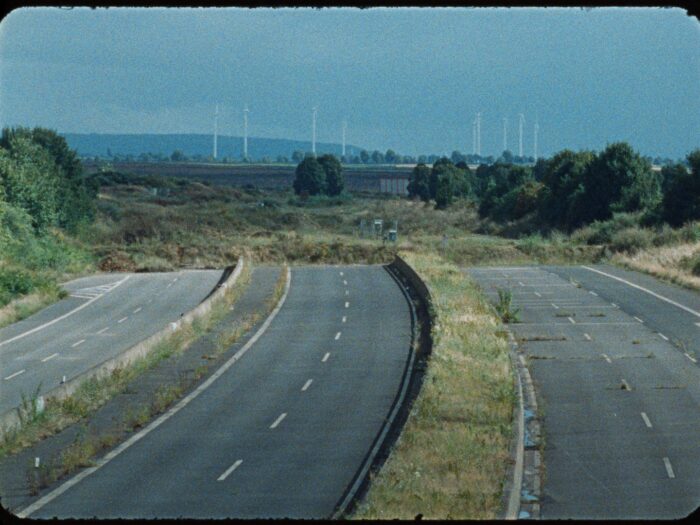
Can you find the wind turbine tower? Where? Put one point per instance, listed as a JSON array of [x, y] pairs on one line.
[[505, 133], [521, 121], [216, 128], [313, 131], [537, 128], [245, 132], [345, 127], [478, 134]]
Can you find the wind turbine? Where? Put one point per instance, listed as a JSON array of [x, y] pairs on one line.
[[521, 121], [313, 131], [245, 132], [216, 128]]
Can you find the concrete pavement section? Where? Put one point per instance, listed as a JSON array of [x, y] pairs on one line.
[[103, 316], [281, 433], [620, 404]]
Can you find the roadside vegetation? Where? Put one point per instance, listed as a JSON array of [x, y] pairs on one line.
[[450, 460]]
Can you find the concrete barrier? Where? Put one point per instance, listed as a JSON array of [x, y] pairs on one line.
[[12, 418]]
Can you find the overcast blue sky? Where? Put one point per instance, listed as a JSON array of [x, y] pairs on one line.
[[408, 79]]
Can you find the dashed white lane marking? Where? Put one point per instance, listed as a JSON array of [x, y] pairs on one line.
[[229, 470], [638, 319], [48, 358], [690, 357], [555, 306], [592, 293], [15, 374], [53, 321], [347, 292], [345, 318], [103, 330], [77, 343], [614, 305], [663, 336], [646, 420], [169, 285], [538, 294], [174, 280], [341, 274], [625, 384], [137, 310], [571, 319], [325, 357], [278, 420], [697, 324], [606, 358], [669, 301], [307, 385], [123, 319], [347, 304], [345, 282], [337, 336], [669, 468], [588, 337], [520, 283]]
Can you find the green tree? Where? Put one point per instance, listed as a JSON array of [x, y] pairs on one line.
[[364, 156], [334, 174], [309, 177], [390, 156], [177, 156], [419, 183], [377, 157], [298, 156], [681, 202]]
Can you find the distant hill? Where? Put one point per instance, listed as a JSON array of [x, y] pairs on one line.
[[102, 145]]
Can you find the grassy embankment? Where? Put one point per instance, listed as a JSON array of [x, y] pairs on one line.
[[451, 458]]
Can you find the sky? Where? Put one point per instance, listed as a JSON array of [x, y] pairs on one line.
[[410, 79]]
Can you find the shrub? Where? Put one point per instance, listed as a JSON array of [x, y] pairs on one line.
[[631, 240]]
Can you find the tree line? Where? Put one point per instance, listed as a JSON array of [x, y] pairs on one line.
[[568, 190]]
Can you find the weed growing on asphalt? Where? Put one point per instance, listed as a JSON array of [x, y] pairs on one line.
[[504, 307]]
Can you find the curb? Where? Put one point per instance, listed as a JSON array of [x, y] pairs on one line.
[[11, 418]]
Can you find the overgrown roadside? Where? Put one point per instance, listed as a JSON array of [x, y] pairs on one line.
[[451, 459], [141, 399]]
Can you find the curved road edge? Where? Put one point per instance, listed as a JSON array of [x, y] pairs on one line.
[[415, 291], [12, 418]]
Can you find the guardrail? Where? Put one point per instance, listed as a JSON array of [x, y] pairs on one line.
[[12, 418]]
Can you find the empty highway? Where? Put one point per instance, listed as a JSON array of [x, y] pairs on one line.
[[613, 355], [280, 433], [103, 316]]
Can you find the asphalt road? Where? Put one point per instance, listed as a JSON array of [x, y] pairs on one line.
[[103, 316], [616, 377], [283, 431]]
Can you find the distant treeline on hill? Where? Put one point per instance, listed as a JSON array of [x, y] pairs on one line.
[[154, 147]]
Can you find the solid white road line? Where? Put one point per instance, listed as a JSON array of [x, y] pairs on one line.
[[123, 319], [337, 336], [638, 319], [229, 470], [345, 318], [646, 420], [592, 293], [103, 330], [78, 343], [663, 336], [43, 501], [690, 357], [278, 420], [588, 337], [325, 357], [669, 468], [555, 306], [137, 310], [15, 374], [666, 299], [307, 385], [53, 321], [50, 357], [697, 324], [572, 320], [606, 358], [347, 304]]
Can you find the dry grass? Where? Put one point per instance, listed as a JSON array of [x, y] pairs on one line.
[[451, 458], [665, 262], [29, 304]]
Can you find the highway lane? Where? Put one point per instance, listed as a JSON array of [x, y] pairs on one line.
[[621, 405], [103, 316], [282, 432]]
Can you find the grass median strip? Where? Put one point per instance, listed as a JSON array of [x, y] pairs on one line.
[[451, 458]]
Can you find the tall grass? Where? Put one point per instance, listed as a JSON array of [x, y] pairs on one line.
[[450, 460]]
